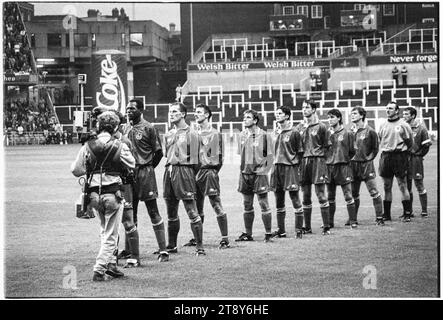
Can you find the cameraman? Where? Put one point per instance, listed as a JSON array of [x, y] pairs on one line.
[[105, 158]]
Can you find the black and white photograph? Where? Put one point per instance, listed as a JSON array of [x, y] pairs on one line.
[[223, 151]]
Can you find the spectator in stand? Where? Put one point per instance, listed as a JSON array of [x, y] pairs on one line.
[[69, 137], [395, 74], [404, 76], [319, 83], [313, 82], [66, 95], [20, 130]]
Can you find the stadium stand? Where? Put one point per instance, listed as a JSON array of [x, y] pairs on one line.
[[17, 55], [26, 120]]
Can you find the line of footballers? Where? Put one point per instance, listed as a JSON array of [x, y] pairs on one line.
[[295, 158]]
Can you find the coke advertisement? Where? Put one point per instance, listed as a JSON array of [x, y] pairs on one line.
[[109, 79]]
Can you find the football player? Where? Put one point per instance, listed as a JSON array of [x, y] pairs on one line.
[[420, 147], [395, 144], [338, 160], [362, 164], [313, 171], [285, 172], [255, 148], [182, 148]]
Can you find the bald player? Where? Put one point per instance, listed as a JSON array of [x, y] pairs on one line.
[[395, 144]]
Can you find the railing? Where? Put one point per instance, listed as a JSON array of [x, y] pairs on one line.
[[366, 82], [387, 48], [398, 35], [223, 55], [366, 41], [433, 80], [156, 106], [269, 87], [263, 54], [234, 42], [26, 138], [210, 90], [142, 98], [342, 50], [423, 32], [318, 45]]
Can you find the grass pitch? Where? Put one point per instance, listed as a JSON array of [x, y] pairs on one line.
[[50, 253]]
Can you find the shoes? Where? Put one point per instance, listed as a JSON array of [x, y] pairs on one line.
[[245, 237], [326, 232], [306, 231], [124, 255], [348, 223], [406, 218], [424, 214], [278, 234], [98, 276], [386, 218], [200, 252], [132, 263], [331, 225], [169, 249], [379, 222], [224, 244], [299, 235], [163, 256], [268, 237], [191, 243], [113, 271], [354, 225]]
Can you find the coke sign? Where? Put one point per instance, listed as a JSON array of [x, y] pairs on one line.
[[109, 79]]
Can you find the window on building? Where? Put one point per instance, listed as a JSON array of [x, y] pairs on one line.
[[427, 20], [54, 40], [81, 40], [136, 39], [362, 6], [288, 10], [302, 10], [327, 22], [32, 40], [388, 9], [427, 5], [93, 43], [317, 12], [123, 39], [67, 40]]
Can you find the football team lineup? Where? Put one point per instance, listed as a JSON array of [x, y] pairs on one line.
[[309, 154]]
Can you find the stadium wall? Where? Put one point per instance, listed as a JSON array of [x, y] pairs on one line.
[[418, 73]]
